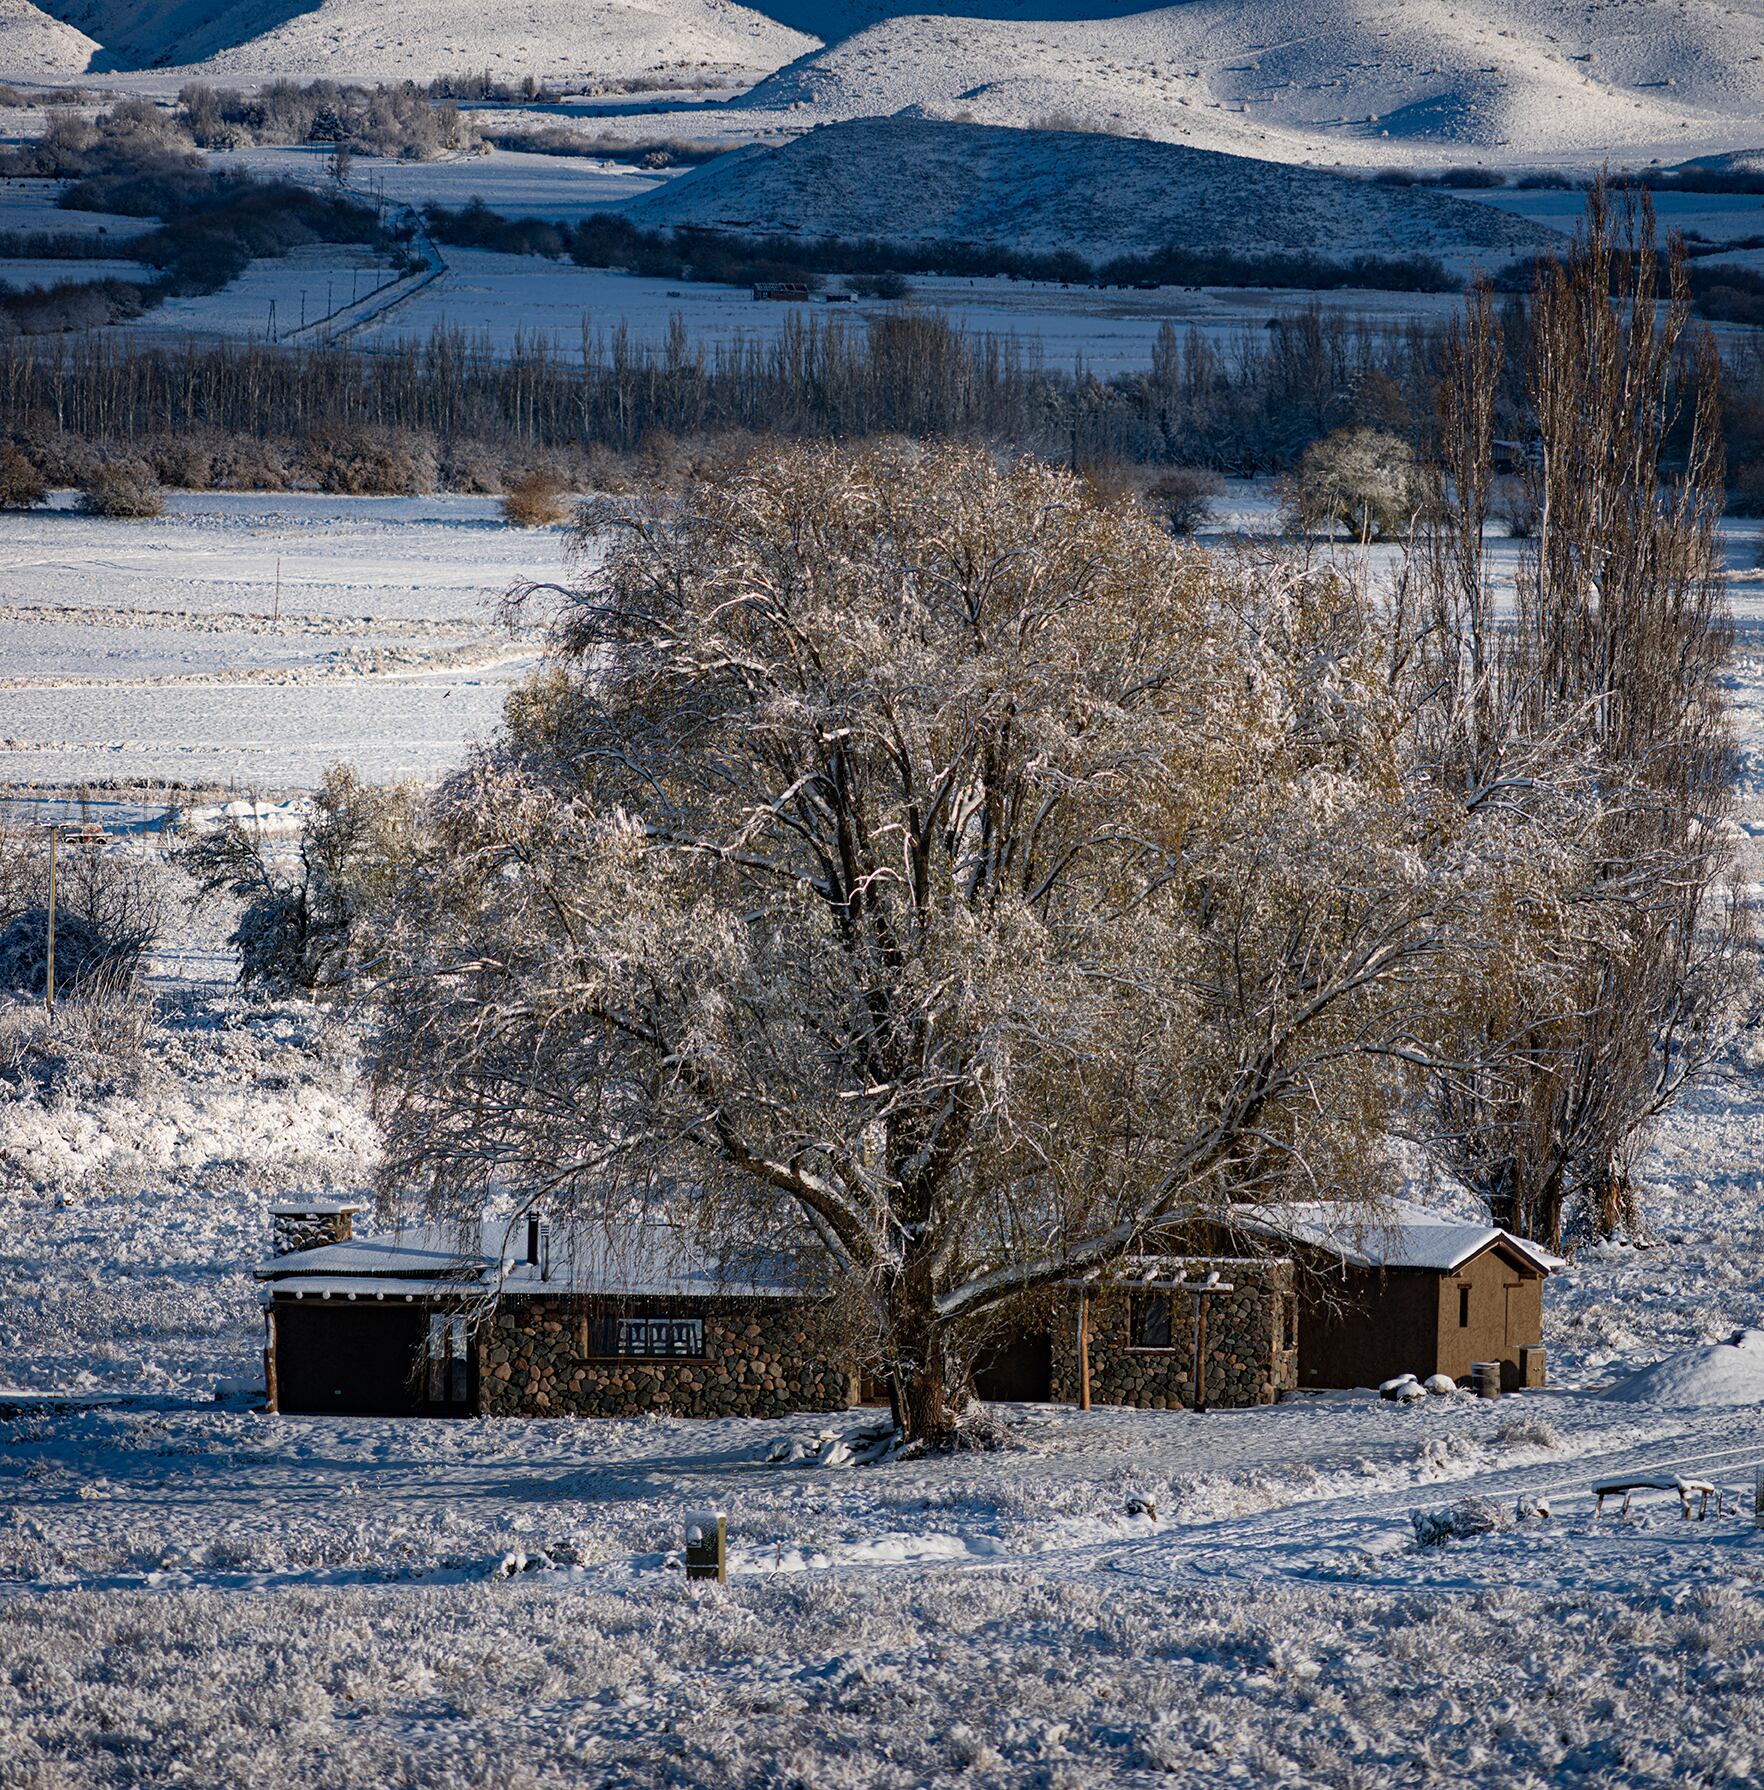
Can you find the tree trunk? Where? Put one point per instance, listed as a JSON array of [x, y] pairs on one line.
[[928, 1413], [923, 1366]]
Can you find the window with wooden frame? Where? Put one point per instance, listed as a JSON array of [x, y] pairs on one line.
[[1149, 1322], [614, 1336]]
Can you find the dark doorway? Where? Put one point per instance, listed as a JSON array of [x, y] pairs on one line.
[[1018, 1369], [355, 1361]]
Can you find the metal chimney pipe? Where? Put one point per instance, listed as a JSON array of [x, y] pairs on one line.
[[535, 1227]]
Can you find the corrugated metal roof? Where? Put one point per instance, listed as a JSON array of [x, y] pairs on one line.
[[1401, 1235], [629, 1259]]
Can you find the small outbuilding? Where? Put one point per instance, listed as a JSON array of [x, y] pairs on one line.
[[425, 1323], [1409, 1290]]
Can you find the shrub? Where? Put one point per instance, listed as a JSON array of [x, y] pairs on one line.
[[1746, 492], [1516, 506], [879, 285], [538, 499], [123, 488], [1528, 1432], [22, 486], [181, 462], [1362, 479], [246, 463], [314, 924], [1183, 497], [394, 463], [107, 915]]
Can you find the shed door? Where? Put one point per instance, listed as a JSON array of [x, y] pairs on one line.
[[353, 1360]]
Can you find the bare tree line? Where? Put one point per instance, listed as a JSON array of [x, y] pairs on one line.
[[1252, 403]]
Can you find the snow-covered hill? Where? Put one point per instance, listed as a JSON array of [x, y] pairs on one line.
[[33, 43], [416, 39], [1359, 82], [910, 179], [1355, 81]]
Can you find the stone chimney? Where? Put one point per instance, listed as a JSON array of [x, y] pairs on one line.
[[310, 1224]]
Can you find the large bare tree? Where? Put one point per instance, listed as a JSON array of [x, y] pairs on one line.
[[942, 855]]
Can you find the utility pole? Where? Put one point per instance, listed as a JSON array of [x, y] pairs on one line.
[[49, 982], [276, 612]]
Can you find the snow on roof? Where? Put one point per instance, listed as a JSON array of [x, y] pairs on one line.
[[1401, 1235], [627, 1259]]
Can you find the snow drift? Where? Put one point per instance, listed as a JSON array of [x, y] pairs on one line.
[[1729, 1373]]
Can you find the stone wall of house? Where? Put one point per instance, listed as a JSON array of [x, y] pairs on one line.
[[762, 1358], [1251, 1352]]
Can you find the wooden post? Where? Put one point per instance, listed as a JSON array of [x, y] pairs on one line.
[[1758, 1499], [1200, 1352], [1084, 1348], [276, 612], [269, 1361], [707, 1534], [49, 985]]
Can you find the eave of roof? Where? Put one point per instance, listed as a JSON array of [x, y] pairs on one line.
[[1404, 1236]]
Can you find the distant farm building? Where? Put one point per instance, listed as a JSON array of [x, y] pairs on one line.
[[783, 291], [414, 1324], [1408, 1291], [427, 1323]]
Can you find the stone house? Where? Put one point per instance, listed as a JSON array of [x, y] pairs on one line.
[[424, 1323], [1181, 1332]]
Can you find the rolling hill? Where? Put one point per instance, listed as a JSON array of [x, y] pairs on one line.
[[415, 39], [33, 44], [914, 179], [1350, 81], [1327, 82]]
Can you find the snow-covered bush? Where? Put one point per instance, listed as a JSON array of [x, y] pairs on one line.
[[1528, 1432], [1182, 496], [22, 486], [107, 914], [1462, 1521], [123, 488], [1363, 480], [538, 499], [308, 919]]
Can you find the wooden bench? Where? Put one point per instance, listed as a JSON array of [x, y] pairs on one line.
[[1687, 1489]]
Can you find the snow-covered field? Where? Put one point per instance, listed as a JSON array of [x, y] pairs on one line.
[[155, 649]]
